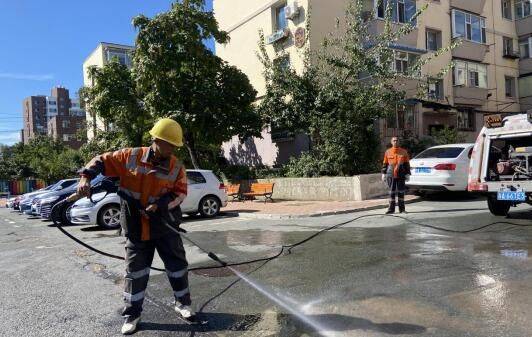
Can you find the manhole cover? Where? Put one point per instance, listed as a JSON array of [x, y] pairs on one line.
[[220, 272]]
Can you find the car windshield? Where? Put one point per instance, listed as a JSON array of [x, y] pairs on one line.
[[440, 152]]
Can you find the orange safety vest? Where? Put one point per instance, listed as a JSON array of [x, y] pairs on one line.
[[396, 157], [143, 181]]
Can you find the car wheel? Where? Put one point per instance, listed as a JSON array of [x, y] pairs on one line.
[[209, 206], [65, 216], [497, 207], [109, 217]]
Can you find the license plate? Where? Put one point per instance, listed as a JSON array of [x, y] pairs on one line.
[[423, 170], [511, 195]]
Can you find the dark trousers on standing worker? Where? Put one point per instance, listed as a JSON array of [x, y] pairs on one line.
[[139, 256], [397, 189]]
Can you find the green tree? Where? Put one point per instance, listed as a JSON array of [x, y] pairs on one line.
[[114, 97], [346, 87], [182, 79]]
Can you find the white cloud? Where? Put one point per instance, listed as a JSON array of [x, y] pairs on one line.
[[9, 138], [28, 77]]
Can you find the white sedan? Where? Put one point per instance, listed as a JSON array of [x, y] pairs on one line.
[[206, 195], [441, 168]]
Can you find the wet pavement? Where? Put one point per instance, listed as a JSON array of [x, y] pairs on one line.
[[377, 276]]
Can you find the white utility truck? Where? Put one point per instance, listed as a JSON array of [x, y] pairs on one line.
[[501, 162]]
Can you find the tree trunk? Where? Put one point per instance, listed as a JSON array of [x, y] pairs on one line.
[[190, 144]]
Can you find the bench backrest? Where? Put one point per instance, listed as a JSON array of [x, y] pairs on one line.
[[232, 189], [261, 188]]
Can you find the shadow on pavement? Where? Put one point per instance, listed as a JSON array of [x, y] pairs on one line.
[[333, 322], [449, 210], [451, 196]]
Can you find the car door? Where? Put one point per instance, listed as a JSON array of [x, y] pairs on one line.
[[195, 190]]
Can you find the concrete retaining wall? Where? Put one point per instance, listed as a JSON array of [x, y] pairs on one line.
[[354, 188]]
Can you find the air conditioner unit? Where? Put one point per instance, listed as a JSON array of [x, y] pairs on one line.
[[291, 10]]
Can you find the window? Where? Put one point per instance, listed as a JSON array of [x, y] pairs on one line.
[[66, 137], [121, 56], [440, 152], [195, 178], [403, 61], [433, 39], [477, 74], [525, 86], [507, 9], [507, 45], [522, 8], [52, 110], [509, 86], [52, 103], [465, 119], [280, 18], [435, 89], [405, 116], [283, 62], [403, 11], [468, 26], [65, 124], [525, 47]]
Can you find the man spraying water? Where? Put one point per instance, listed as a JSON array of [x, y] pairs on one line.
[[156, 182]]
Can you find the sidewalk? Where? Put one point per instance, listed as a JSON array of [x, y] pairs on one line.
[[284, 209]]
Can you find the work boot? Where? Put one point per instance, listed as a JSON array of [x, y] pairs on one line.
[[402, 207], [130, 325], [185, 311], [391, 208]]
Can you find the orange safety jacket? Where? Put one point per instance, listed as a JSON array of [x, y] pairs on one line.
[[140, 177], [396, 163]]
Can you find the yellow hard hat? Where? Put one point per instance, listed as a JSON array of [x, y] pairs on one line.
[[168, 130]]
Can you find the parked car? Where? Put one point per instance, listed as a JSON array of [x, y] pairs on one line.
[[441, 168], [43, 204], [206, 196], [26, 201], [104, 213], [10, 202]]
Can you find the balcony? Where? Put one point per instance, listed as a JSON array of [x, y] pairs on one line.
[[524, 26], [470, 95], [525, 65], [510, 54], [470, 51], [473, 6], [376, 27]]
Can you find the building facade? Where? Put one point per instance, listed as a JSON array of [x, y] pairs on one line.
[[99, 57], [492, 72], [49, 115]]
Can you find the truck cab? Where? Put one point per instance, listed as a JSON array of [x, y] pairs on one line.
[[501, 162]]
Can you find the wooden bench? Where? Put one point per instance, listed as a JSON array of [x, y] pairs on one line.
[[260, 190], [233, 191]]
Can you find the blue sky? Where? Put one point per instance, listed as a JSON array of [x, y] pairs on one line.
[[44, 43]]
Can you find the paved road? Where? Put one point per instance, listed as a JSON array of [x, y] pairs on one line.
[[378, 276]]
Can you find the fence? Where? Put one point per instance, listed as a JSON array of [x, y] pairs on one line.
[[16, 187]]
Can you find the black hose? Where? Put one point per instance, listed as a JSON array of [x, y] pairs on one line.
[[288, 248]]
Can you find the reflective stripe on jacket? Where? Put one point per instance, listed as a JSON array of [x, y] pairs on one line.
[[140, 178], [396, 163]]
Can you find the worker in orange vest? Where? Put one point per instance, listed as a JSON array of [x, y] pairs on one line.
[[395, 171], [155, 180]]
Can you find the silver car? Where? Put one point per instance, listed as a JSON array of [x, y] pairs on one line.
[[206, 196]]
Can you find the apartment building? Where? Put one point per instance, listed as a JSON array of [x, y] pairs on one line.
[[99, 57], [492, 73], [57, 116]]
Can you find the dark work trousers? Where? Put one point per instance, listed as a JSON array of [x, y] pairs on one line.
[[397, 187], [139, 256]]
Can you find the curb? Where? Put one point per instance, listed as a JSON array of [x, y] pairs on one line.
[[245, 215]]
